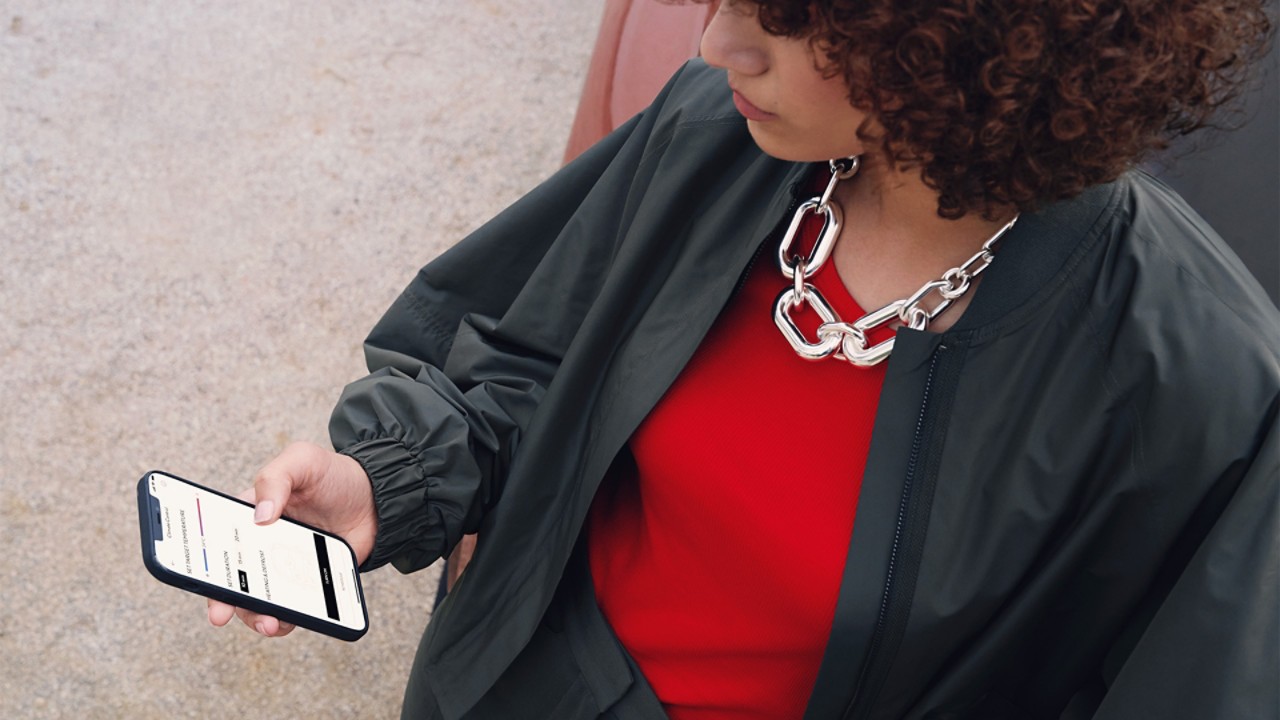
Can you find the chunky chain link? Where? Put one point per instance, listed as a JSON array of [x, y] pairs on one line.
[[844, 340]]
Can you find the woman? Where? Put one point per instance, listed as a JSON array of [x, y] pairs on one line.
[[661, 384]]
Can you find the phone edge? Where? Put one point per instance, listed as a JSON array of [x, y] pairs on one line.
[[215, 592]]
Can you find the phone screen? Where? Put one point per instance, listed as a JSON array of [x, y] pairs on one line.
[[211, 538]]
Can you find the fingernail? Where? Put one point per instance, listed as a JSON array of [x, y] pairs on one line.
[[261, 627], [262, 512]]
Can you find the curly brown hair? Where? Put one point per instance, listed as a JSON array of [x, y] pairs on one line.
[[1022, 102]]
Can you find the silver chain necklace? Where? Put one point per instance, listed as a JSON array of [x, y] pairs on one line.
[[848, 341]]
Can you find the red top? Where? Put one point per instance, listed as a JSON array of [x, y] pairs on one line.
[[717, 561]]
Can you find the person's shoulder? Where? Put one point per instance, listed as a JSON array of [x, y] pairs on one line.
[[693, 122], [1180, 256], [698, 94], [1172, 302]]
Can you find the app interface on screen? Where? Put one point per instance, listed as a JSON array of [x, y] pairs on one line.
[[213, 539]]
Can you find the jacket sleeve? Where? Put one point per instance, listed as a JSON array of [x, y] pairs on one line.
[[463, 357], [1208, 645], [438, 418]]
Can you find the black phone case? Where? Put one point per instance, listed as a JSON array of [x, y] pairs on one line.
[[222, 594]]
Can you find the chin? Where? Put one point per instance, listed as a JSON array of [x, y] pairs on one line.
[[792, 149]]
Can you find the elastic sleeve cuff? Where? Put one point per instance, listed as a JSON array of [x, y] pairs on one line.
[[409, 535]]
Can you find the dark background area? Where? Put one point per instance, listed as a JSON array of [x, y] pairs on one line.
[[1232, 178]]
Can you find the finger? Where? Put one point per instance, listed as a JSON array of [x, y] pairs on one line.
[[220, 613], [273, 485], [264, 624]]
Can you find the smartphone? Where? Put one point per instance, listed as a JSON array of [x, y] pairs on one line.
[[206, 542]]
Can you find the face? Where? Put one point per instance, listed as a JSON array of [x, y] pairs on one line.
[[792, 110]]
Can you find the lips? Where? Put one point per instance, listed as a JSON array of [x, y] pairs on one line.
[[748, 110]]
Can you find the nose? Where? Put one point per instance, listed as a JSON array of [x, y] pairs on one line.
[[733, 39]]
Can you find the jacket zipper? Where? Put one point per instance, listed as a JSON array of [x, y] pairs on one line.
[[874, 660], [786, 216], [742, 279]]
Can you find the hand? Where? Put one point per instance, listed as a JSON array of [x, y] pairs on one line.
[[318, 487], [459, 559]]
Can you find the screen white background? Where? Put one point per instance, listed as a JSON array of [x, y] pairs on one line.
[[213, 539]]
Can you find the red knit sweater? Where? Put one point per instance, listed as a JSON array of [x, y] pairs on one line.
[[718, 560]]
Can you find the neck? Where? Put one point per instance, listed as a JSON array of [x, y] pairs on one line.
[[893, 240]]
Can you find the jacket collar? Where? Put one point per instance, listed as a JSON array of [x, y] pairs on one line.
[[1036, 254]]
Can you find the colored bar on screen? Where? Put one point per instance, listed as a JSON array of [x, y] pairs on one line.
[[326, 577]]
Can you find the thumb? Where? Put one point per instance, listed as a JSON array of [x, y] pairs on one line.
[[271, 489]]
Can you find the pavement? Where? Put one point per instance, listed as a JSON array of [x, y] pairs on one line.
[[203, 209]]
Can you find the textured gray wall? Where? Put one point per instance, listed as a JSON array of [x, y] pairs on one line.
[[203, 208]]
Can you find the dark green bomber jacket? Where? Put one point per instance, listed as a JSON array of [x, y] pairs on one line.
[[1070, 504]]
